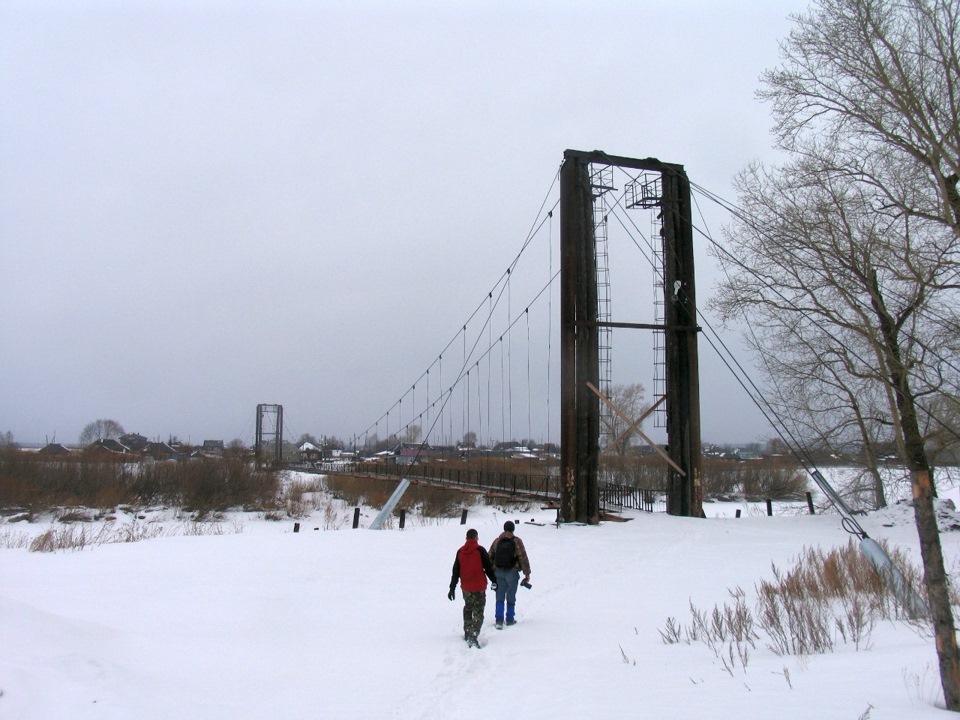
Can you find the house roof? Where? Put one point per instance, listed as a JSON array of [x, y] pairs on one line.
[[160, 449], [108, 444], [134, 441]]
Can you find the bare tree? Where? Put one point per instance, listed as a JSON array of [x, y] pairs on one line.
[[869, 89], [844, 416], [851, 316], [331, 441], [943, 433], [853, 245], [411, 433], [628, 398], [104, 429]]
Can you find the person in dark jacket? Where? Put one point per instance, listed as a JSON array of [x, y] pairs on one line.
[[509, 561], [472, 566]]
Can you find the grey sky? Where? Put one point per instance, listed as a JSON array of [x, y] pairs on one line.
[[208, 205]]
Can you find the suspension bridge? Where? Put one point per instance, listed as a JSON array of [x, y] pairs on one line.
[[585, 341], [459, 405]]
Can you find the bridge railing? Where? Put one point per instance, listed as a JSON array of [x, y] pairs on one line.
[[619, 496], [613, 496], [538, 486]]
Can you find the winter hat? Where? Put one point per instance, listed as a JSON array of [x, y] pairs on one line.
[[508, 526]]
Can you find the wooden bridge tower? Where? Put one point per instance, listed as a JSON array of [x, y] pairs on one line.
[[268, 443], [580, 328]]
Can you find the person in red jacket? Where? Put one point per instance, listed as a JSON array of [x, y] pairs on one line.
[[472, 567]]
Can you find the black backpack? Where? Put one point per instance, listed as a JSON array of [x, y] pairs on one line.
[[505, 554]]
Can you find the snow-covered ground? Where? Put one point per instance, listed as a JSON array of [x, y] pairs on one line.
[[261, 622]]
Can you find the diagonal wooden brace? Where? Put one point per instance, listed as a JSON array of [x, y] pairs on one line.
[[635, 427], [630, 422]]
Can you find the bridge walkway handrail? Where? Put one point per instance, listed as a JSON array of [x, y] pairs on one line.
[[540, 487]]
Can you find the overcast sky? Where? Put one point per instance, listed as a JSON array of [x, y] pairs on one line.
[[206, 205]]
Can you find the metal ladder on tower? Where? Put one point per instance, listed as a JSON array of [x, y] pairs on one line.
[[645, 193], [659, 346], [601, 180]]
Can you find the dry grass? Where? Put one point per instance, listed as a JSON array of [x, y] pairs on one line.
[[729, 631], [302, 497], [428, 501], [774, 483], [632, 471], [769, 478], [78, 537], [772, 478], [358, 490], [436, 502], [826, 598], [330, 499], [14, 539], [33, 483]]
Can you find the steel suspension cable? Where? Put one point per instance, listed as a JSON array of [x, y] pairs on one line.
[[536, 226]]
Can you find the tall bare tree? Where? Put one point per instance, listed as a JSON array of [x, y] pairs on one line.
[[943, 436], [853, 245], [869, 89], [411, 433], [844, 416], [628, 398], [103, 429]]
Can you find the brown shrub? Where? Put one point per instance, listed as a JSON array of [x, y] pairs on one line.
[[649, 473], [33, 482], [433, 501], [769, 478], [823, 598], [361, 489]]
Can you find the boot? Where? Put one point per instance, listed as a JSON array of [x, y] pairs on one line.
[[499, 614], [510, 614]]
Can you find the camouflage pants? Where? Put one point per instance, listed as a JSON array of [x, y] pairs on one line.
[[473, 604]]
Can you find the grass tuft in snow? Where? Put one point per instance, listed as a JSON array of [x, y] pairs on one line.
[[14, 539], [78, 537], [826, 598], [728, 631], [303, 496]]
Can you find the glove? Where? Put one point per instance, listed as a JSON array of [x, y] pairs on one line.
[[493, 586], [452, 594]]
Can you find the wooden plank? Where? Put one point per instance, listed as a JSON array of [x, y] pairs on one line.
[[652, 444], [601, 158]]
